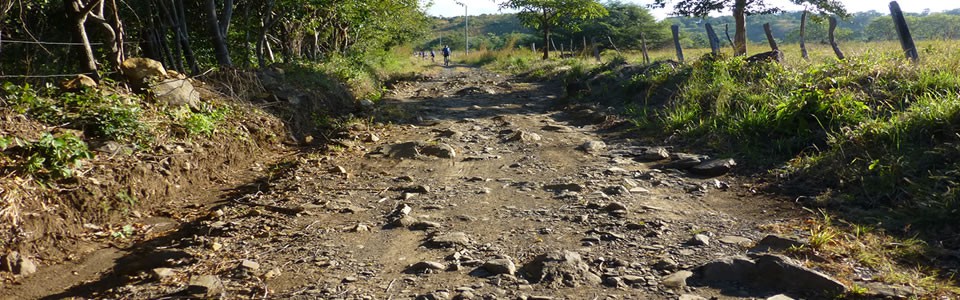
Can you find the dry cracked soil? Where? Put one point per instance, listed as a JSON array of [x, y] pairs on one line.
[[477, 189]]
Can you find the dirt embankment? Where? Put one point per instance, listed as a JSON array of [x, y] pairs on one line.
[[124, 196]]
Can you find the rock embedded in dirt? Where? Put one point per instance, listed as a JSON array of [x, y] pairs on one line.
[[614, 207], [557, 128], [777, 243], [779, 297], [448, 240], [560, 187], [560, 267], [249, 265], [175, 93], [683, 161], [414, 150], [424, 225], [138, 69], [616, 190], [878, 290], [666, 264], [677, 281], [714, 167], [161, 273], [500, 266], [19, 264], [769, 271], [524, 136], [736, 240], [424, 266], [206, 286], [593, 147], [699, 240], [653, 154]]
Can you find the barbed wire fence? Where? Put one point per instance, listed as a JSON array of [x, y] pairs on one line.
[[43, 43]]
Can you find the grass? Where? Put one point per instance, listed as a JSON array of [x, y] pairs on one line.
[[874, 137]]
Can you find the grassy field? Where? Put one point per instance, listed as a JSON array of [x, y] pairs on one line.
[[873, 140]]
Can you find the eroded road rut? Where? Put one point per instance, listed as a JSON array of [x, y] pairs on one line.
[[479, 191]]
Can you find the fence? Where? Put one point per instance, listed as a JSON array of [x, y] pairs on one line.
[[903, 32], [41, 44]]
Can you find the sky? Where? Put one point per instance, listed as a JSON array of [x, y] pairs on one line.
[[449, 8]]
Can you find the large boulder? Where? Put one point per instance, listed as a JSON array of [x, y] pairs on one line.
[[176, 92], [769, 272], [139, 69]]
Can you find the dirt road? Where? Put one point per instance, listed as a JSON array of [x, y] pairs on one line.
[[477, 190]]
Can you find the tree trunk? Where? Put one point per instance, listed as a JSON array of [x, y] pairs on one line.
[[740, 35], [226, 18], [546, 41], [185, 38], [77, 14], [219, 42]]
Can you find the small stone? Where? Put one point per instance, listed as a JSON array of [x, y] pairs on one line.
[[524, 136], [338, 170], [422, 266], [654, 154], [447, 240], [699, 240], [776, 243], [736, 240], [500, 266], [424, 225], [560, 187], [161, 273], [273, 273], [616, 190], [593, 147], [216, 246], [691, 297], [632, 279], [249, 265], [209, 286], [360, 228], [715, 167], [666, 264], [780, 297], [614, 282], [27, 266], [676, 280], [372, 138], [350, 279], [615, 206]]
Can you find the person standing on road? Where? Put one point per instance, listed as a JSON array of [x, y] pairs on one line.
[[446, 55], [433, 56]]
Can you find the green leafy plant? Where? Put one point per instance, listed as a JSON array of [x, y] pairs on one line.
[[54, 157]]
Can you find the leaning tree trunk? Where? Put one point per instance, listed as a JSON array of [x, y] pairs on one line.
[[77, 14], [740, 20], [216, 31]]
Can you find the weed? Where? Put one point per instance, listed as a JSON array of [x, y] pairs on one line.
[[53, 157]]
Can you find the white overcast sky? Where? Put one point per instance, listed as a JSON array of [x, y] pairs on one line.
[[450, 8]]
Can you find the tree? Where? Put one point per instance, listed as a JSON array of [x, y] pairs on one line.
[[742, 8], [545, 15]]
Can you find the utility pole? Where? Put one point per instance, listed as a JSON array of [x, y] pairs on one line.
[[466, 26]]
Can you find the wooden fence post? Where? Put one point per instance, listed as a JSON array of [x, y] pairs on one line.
[[676, 41], [533, 46], [714, 40], [803, 33], [833, 40], [584, 52], [773, 43], [906, 40], [643, 44], [596, 49]]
